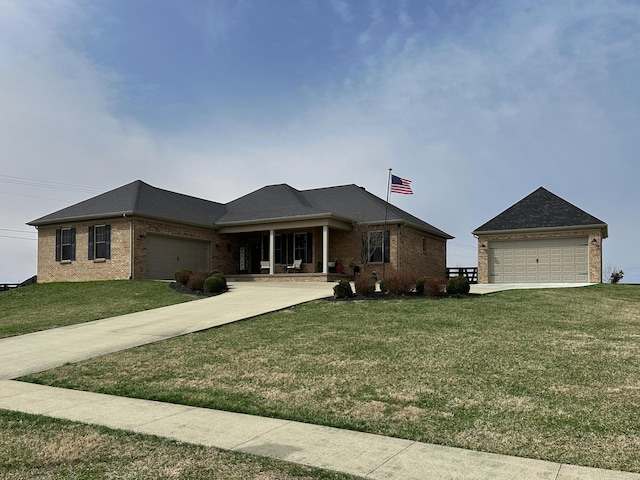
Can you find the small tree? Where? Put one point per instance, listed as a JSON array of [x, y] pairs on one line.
[[613, 274]]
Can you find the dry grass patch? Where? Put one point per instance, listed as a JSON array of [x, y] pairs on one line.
[[38, 447], [548, 374]]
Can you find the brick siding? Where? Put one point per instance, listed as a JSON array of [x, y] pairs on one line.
[[594, 248]]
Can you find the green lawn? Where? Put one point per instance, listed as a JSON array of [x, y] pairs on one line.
[[551, 374], [50, 305], [38, 447]]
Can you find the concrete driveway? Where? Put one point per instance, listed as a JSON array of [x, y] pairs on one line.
[[40, 351]]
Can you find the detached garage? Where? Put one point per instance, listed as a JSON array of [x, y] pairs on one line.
[[541, 239]]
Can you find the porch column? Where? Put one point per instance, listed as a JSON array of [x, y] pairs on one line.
[[272, 251], [325, 249]]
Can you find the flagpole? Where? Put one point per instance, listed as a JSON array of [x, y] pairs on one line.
[[384, 230]]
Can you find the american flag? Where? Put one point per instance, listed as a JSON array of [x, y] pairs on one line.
[[400, 185]]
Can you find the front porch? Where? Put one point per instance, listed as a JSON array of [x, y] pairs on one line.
[[289, 277]]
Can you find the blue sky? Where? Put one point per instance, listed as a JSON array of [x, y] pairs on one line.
[[479, 103]]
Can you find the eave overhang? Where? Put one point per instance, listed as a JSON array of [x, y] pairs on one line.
[[603, 227], [281, 223]]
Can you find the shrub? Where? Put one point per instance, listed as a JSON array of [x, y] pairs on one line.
[[384, 285], [616, 276], [182, 276], [436, 287], [216, 272], [215, 284], [420, 285], [458, 286], [365, 286], [343, 289], [401, 283], [196, 280]]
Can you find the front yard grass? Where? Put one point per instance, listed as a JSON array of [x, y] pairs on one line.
[[49, 305], [550, 374], [39, 447]]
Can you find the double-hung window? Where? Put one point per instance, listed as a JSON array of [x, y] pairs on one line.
[[65, 244], [376, 247], [99, 242]]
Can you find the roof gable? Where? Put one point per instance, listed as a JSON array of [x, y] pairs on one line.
[[540, 209]]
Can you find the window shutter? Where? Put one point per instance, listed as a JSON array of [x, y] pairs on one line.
[[107, 241], [290, 255], [73, 244], [91, 236], [387, 247], [58, 246], [309, 258]]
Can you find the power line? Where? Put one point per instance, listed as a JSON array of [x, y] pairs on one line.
[[34, 196], [47, 184], [19, 238], [20, 231], [461, 245]]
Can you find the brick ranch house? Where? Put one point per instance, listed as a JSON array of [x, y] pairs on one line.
[[138, 231], [541, 239]]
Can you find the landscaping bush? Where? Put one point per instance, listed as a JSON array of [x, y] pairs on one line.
[[458, 286], [384, 285], [401, 283], [182, 276], [616, 276], [196, 280], [420, 285], [436, 287], [365, 286], [216, 272], [215, 284], [343, 289]]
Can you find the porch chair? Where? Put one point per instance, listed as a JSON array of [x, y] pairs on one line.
[[264, 265], [295, 267]]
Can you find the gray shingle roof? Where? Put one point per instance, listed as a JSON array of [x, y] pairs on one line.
[[139, 198], [540, 209], [273, 202]]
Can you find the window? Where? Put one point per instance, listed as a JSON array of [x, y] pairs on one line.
[[375, 250], [290, 247], [99, 242], [65, 244], [300, 246]]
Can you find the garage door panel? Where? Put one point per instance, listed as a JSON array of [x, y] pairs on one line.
[[545, 260], [166, 255]]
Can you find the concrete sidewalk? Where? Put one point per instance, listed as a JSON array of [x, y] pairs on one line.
[[356, 453], [362, 454]]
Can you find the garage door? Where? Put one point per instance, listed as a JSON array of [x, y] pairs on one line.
[[165, 255], [562, 260]]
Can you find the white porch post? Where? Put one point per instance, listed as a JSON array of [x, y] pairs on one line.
[[272, 251], [325, 249]]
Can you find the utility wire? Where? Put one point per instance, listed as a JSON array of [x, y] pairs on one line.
[[20, 231], [19, 238], [47, 184]]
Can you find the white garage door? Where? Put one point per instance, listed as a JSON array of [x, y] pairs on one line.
[[165, 255], [562, 260]]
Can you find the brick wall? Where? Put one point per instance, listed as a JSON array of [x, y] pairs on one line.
[[343, 245], [595, 249], [82, 269]]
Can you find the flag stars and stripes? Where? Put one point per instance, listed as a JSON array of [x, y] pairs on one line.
[[401, 185]]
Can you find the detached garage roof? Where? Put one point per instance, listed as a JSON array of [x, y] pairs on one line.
[[541, 210], [270, 203]]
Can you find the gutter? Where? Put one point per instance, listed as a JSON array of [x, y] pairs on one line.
[[602, 226]]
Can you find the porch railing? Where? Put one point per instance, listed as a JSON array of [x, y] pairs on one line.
[[470, 273]]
